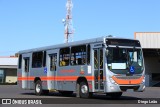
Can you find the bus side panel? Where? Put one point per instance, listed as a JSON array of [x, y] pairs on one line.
[[66, 78], [70, 75], [39, 73]]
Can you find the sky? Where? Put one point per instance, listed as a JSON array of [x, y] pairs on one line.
[[26, 24]]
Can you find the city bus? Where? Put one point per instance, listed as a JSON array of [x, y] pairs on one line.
[[107, 65]]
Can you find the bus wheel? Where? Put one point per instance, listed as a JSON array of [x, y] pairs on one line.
[[84, 90], [115, 95], [38, 88]]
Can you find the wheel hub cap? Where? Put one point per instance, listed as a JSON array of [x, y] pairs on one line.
[[38, 88], [84, 89]]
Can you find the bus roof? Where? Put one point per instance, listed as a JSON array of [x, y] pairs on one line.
[[94, 40]]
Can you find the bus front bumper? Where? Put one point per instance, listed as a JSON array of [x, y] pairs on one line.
[[122, 88]]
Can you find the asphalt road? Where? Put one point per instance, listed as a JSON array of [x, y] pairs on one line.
[[13, 91]]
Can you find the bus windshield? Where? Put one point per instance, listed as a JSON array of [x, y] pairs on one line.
[[119, 60]]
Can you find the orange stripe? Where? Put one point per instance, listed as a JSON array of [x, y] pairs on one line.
[[57, 78], [128, 81], [26, 78], [89, 78], [64, 78]]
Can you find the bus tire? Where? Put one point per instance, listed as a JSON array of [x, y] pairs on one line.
[[84, 90], [115, 94], [38, 88]]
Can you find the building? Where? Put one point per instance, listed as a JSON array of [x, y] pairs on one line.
[[8, 70], [150, 42]]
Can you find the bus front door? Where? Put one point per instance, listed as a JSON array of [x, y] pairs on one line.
[[52, 69], [98, 70], [25, 73]]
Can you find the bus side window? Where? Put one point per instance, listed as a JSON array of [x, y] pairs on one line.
[[44, 58], [78, 55], [26, 64], [88, 54], [20, 61], [64, 57], [37, 59]]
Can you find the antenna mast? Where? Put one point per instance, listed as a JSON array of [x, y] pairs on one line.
[[68, 33]]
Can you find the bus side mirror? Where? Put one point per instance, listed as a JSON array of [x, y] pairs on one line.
[[107, 52]]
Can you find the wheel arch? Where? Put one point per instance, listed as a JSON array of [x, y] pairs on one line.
[[80, 79], [36, 79]]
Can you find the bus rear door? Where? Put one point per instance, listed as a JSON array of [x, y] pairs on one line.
[[26, 72], [52, 68]]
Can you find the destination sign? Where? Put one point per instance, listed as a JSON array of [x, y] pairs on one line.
[[123, 42]]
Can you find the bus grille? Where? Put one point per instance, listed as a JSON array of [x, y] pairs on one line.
[[128, 77]]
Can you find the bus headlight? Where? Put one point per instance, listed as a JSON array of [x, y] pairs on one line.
[[111, 80], [143, 81]]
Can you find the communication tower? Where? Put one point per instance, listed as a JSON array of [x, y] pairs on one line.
[[68, 33]]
